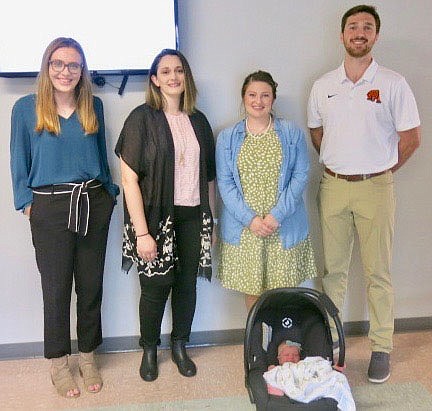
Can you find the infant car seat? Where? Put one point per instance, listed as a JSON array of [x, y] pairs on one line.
[[296, 314]]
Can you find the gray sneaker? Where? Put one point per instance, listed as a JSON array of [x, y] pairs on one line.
[[379, 367]]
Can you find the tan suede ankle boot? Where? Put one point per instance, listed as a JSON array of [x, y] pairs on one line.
[[62, 379], [89, 371]]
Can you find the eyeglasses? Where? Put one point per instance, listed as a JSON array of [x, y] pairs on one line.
[[59, 65]]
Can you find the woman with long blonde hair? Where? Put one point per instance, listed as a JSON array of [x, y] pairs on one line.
[[62, 183]]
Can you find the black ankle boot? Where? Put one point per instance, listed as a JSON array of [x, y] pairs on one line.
[[148, 369], [179, 355]]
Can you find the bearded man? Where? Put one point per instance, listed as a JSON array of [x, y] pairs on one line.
[[364, 123]]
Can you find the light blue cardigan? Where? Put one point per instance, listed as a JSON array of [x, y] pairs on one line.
[[289, 211]]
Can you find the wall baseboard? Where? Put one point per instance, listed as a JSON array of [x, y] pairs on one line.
[[401, 325], [198, 339]]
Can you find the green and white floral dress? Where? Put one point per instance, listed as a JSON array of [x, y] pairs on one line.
[[260, 264]]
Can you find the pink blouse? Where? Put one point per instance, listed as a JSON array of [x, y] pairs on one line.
[[186, 168]]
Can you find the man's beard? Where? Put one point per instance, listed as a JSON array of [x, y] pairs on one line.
[[356, 52]]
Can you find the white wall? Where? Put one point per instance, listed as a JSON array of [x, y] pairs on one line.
[[224, 40]]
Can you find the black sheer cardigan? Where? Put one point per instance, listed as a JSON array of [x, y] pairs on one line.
[[146, 146]]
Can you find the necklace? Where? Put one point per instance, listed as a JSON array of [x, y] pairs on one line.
[[180, 134], [264, 131], [182, 156]]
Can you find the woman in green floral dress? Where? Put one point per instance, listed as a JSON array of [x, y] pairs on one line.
[[262, 171]]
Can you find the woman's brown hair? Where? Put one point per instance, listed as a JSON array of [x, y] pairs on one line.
[[259, 75], [154, 97]]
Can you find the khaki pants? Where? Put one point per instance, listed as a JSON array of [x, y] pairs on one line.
[[367, 206]]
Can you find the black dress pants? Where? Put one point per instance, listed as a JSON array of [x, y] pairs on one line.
[[62, 256], [187, 226]]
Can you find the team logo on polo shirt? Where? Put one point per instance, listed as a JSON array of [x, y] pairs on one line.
[[373, 95]]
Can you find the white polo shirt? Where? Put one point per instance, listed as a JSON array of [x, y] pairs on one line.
[[361, 120]]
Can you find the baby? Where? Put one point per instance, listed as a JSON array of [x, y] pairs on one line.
[[288, 351], [306, 380]]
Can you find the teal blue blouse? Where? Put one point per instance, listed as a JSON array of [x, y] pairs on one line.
[[40, 159]]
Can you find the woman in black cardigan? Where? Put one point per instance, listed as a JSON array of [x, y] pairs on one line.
[[166, 149]]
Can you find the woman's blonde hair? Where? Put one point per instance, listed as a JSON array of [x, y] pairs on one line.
[[46, 111], [154, 97]]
